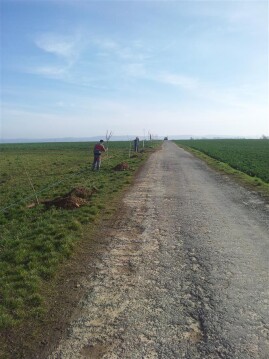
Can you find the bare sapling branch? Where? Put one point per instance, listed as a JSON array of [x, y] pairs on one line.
[[108, 136]]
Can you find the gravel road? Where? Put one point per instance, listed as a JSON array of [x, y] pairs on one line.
[[182, 273]]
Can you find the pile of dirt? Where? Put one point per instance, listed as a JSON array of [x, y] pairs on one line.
[[82, 192], [76, 198], [123, 166]]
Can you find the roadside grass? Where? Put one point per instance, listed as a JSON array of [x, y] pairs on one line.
[[34, 241], [252, 182]]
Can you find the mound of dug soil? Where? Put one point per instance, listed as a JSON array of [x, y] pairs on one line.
[[121, 167], [76, 198]]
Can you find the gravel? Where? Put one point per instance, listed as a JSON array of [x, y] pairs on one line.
[[184, 272]]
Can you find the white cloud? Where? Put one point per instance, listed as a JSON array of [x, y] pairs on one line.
[[135, 70], [229, 95], [94, 116], [246, 12], [49, 71], [135, 51], [57, 44], [253, 14], [183, 81], [106, 44], [65, 51]]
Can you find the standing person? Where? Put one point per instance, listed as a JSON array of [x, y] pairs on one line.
[[136, 144], [97, 151]]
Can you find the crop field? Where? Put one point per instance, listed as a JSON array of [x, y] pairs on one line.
[[37, 235], [248, 156]]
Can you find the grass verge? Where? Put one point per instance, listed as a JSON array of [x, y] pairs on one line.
[[252, 183]]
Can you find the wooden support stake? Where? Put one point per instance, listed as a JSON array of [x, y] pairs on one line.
[[31, 184]]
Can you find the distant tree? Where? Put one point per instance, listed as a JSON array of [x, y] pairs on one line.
[[264, 137]]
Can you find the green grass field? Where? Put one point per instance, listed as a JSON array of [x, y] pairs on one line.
[[248, 156], [35, 241]]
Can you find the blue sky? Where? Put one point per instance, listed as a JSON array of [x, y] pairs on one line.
[[79, 68]]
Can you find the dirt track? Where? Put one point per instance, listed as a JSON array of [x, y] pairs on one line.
[[184, 273]]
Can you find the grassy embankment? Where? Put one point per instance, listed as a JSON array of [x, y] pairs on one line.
[[246, 160], [34, 241]]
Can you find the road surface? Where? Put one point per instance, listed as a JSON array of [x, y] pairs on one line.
[[183, 272]]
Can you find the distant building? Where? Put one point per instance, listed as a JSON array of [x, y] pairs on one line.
[[166, 138]]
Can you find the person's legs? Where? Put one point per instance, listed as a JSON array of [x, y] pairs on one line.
[[94, 164], [98, 163]]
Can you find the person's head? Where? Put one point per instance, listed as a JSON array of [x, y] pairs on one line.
[[101, 141]]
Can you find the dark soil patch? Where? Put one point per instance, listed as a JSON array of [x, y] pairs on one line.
[[123, 166], [76, 198]]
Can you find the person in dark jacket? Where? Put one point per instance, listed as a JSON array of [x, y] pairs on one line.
[[136, 144], [97, 151]]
